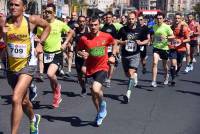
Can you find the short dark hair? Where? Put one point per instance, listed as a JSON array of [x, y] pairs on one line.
[[178, 13], [109, 13], [24, 2], [160, 14], [82, 16], [94, 18], [52, 5]]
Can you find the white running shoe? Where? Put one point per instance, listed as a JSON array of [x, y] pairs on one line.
[[166, 81], [153, 84], [187, 69]]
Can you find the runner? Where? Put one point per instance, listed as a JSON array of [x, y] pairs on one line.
[[145, 35], [133, 36], [79, 62], [93, 48], [53, 56], [2, 51], [195, 31], [178, 46], [112, 29], [21, 66], [162, 34]]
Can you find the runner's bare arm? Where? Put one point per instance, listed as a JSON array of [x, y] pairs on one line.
[[38, 21], [69, 36]]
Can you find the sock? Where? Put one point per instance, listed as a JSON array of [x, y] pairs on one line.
[[173, 72], [130, 83], [34, 119]]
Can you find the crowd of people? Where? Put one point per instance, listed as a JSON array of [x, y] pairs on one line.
[[33, 44]]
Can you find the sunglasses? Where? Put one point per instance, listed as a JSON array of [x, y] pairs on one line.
[[11, 4], [49, 12]]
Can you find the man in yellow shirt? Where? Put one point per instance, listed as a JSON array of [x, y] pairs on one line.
[[17, 31]]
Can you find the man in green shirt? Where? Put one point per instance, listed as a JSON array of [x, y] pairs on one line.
[[53, 56], [162, 35]]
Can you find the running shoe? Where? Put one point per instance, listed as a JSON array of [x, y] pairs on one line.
[[166, 81], [34, 126], [191, 67], [101, 114], [187, 69], [127, 96], [57, 97], [83, 93], [154, 84]]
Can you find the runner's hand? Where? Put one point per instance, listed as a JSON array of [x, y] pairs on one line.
[[84, 54], [39, 49], [111, 60]]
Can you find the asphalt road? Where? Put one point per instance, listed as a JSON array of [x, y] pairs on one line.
[[161, 110]]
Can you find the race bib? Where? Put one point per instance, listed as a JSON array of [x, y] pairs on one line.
[[176, 43], [109, 49], [48, 58], [131, 46], [17, 50], [157, 39]]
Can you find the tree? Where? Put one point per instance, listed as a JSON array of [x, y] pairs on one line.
[[197, 8]]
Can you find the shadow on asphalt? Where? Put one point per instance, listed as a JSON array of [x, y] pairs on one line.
[[37, 105], [113, 97], [195, 82], [69, 94], [75, 121], [188, 92], [7, 99]]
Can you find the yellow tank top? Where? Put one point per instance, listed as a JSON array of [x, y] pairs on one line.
[[18, 45]]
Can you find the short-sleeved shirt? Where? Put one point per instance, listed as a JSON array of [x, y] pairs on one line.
[[131, 48], [97, 48], [111, 29], [53, 42], [163, 30], [181, 32]]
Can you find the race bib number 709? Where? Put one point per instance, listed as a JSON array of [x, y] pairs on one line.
[[17, 51]]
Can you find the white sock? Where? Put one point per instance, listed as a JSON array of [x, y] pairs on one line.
[[34, 119]]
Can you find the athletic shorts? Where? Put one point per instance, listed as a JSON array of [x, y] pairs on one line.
[[12, 77], [131, 62], [180, 56], [79, 62], [174, 54], [143, 51], [193, 43], [99, 76], [164, 54], [57, 59]]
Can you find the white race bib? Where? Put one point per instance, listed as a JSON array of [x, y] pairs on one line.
[[157, 39], [109, 49], [17, 50], [131, 46], [176, 43], [48, 57]]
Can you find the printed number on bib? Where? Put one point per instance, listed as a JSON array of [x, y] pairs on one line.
[[48, 57], [17, 51], [109, 48], [176, 43], [131, 46]]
